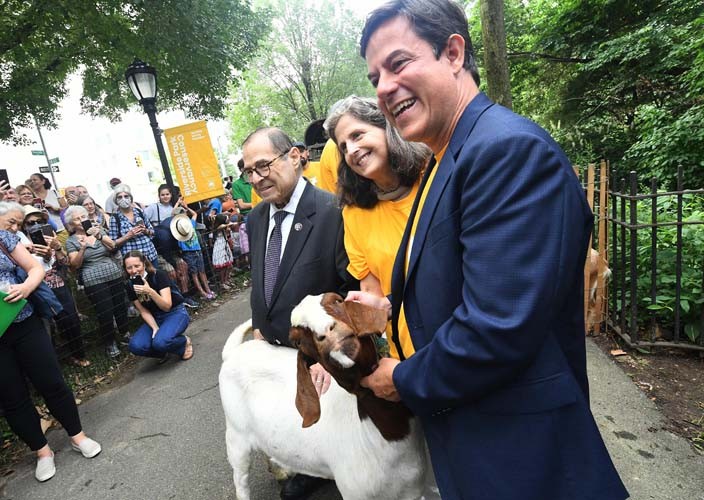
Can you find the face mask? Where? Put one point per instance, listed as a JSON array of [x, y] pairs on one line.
[[124, 203]]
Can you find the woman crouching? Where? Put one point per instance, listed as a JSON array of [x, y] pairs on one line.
[[165, 317]]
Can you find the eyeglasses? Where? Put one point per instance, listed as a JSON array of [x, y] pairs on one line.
[[122, 197], [262, 169], [32, 222]]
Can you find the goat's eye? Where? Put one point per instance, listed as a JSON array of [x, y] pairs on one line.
[[332, 326]]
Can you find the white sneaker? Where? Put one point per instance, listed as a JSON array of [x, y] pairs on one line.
[[88, 448], [45, 468]]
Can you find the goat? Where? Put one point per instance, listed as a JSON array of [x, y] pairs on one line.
[[593, 261], [372, 448]]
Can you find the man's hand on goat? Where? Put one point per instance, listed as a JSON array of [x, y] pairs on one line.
[[321, 378], [370, 300], [381, 381], [257, 334]]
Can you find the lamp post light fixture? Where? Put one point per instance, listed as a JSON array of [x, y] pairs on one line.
[[141, 79]]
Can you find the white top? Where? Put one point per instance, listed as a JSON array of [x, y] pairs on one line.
[[53, 199], [157, 212], [290, 208]]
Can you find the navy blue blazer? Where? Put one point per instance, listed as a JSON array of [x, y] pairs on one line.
[[493, 298]]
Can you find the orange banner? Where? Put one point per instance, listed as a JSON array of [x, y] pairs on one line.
[[194, 162]]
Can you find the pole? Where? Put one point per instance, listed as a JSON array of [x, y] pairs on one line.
[[223, 170], [46, 155], [150, 110]]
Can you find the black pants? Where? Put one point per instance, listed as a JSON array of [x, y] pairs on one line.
[[26, 349], [68, 322], [109, 301]]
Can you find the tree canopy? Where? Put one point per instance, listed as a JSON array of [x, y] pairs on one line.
[[616, 80], [197, 47], [309, 61]]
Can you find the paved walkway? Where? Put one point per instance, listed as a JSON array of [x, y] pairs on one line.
[[162, 435]]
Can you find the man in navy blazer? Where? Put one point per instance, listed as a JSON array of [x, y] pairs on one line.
[[488, 277]]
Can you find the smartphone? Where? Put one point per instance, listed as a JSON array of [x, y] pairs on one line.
[[37, 236], [87, 224], [47, 230], [137, 280], [38, 203], [4, 177]]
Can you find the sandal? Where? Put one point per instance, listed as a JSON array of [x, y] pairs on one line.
[[188, 352], [80, 362]]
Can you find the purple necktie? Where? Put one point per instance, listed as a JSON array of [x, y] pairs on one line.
[[273, 256]]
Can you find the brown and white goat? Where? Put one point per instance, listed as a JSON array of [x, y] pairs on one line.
[[594, 263], [372, 448]]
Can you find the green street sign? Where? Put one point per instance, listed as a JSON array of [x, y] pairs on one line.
[[37, 152], [54, 160]]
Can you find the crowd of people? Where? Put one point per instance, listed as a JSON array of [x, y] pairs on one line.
[[424, 204], [124, 258]]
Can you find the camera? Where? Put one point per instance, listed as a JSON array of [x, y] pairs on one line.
[[137, 280]]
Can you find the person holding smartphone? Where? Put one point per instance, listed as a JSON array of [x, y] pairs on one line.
[[90, 255], [48, 251], [160, 305], [129, 227], [49, 198]]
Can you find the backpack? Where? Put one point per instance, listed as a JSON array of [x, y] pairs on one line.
[[163, 240]]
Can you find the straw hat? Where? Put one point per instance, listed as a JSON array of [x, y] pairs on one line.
[[181, 227], [30, 209]]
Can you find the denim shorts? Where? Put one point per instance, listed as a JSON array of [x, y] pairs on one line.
[[194, 259]]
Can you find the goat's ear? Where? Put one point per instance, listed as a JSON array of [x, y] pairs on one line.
[[335, 307], [365, 320], [307, 402]]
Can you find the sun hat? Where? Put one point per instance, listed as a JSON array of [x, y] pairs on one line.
[[181, 227], [30, 209]]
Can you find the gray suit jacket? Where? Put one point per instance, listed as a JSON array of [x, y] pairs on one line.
[[314, 261]]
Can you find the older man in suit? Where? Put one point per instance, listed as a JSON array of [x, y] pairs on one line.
[[488, 277], [296, 248]]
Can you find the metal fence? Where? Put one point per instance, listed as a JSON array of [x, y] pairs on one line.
[[656, 246]]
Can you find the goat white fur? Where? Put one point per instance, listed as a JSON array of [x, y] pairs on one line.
[[258, 391]]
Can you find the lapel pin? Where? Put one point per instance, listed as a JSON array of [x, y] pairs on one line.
[[298, 226]]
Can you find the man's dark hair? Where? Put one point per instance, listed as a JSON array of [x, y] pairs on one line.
[[432, 20], [280, 142]]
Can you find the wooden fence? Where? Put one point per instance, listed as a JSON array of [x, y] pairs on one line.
[[595, 180]]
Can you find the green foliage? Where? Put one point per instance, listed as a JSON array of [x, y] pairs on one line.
[[618, 80], [196, 47], [309, 61]]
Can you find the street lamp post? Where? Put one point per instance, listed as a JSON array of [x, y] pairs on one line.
[[142, 81]]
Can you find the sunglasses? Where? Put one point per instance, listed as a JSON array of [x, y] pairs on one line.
[[33, 222]]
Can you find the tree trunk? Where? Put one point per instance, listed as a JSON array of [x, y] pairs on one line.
[[495, 60]]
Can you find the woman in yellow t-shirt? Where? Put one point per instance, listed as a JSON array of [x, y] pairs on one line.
[[378, 180]]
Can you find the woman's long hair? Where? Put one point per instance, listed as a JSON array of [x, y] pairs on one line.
[[136, 253], [406, 159]]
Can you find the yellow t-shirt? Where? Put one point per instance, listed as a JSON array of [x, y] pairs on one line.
[[255, 198], [329, 161], [372, 237], [404, 335], [312, 172]]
